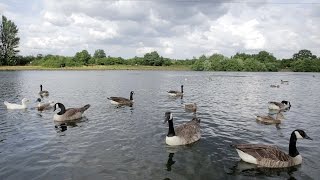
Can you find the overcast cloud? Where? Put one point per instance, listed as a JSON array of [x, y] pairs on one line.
[[176, 29]]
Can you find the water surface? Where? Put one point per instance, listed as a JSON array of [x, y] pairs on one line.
[[128, 142]]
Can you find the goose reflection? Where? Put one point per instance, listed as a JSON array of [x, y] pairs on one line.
[[170, 161], [63, 126], [247, 169]]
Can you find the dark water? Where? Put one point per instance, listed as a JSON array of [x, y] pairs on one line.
[[129, 143]]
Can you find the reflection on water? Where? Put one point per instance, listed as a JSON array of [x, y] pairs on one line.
[[246, 169], [129, 142], [170, 161]]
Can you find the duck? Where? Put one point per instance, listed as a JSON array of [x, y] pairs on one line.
[[183, 134], [274, 86], [271, 156], [191, 107], [176, 93], [70, 113], [270, 120], [23, 104], [42, 92], [121, 100], [283, 105], [44, 106], [284, 82]]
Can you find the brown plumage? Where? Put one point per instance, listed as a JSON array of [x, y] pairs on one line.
[[183, 134], [122, 100], [176, 93], [189, 131], [270, 120], [271, 156], [267, 155], [191, 107], [44, 106], [70, 113]]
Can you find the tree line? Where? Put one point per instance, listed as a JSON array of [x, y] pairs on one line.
[[302, 61]]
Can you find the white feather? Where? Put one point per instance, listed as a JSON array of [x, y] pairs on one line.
[[297, 160], [172, 94], [174, 141], [17, 106], [273, 106], [58, 117], [247, 157], [114, 102], [298, 135]]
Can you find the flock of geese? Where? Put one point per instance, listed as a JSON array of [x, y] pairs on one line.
[[189, 132]]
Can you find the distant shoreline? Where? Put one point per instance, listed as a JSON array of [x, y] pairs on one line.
[[97, 67]]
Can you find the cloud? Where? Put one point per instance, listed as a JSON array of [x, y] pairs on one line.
[[176, 29]]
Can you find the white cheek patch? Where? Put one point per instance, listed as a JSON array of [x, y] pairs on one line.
[[170, 116], [298, 135]]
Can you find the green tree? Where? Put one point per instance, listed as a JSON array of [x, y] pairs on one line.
[[9, 42], [82, 57], [304, 54], [99, 53], [152, 59], [242, 56], [264, 56]]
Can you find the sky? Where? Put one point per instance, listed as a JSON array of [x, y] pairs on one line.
[[175, 29]]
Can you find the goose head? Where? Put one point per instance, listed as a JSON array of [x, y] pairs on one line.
[[300, 134], [131, 95], [168, 117], [38, 100], [287, 103], [61, 106]]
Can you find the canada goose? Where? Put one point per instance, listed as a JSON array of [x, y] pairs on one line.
[[122, 100], [191, 107], [271, 156], [176, 93], [284, 105], [270, 120], [23, 104], [44, 106], [43, 93], [183, 134], [284, 82], [70, 113], [274, 86]]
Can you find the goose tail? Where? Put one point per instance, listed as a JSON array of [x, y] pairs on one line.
[[84, 108]]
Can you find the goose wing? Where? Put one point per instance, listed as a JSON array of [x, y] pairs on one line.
[[261, 152], [72, 111], [119, 99], [44, 106], [173, 92], [188, 130]]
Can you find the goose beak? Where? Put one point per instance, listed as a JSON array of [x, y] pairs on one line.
[[307, 137]]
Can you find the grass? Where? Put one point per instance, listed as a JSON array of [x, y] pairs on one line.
[[100, 67]]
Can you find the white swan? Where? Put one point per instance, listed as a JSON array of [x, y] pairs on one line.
[[24, 102]]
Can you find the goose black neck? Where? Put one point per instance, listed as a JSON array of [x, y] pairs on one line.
[[293, 152], [131, 96], [171, 129], [40, 87], [63, 109], [181, 89]]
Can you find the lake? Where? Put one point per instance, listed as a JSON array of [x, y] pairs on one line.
[[129, 142]]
